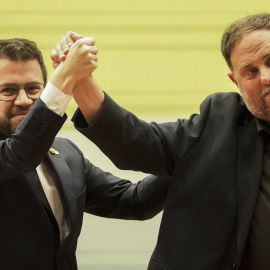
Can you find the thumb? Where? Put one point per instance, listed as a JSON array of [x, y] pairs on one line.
[[90, 41], [73, 37]]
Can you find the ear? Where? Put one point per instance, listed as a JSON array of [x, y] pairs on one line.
[[230, 75]]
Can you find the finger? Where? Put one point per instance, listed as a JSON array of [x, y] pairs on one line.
[[55, 59], [93, 49], [59, 51], [73, 37], [90, 41], [54, 56], [95, 65], [64, 44], [94, 57]]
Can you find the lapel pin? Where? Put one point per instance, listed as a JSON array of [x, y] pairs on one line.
[[53, 151]]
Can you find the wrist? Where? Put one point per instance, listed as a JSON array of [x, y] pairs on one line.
[[87, 82], [62, 80], [89, 97]]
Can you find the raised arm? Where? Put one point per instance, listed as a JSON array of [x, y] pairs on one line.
[[128, 141], [108, 123], [26, 148], [86, 92]]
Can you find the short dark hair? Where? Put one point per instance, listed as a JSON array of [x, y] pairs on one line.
[[234, 33], [20, 49]]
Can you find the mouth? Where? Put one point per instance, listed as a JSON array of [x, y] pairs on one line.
[[266, 92], [19, 115]]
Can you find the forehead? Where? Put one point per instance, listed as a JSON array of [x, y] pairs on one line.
[[252, 48], [20, 71]]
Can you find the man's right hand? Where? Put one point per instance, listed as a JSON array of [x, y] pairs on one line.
[[74, 62], [86, 92]]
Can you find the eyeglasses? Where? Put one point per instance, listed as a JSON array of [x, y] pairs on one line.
[[9, 91]]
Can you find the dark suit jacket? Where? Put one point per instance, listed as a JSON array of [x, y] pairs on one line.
[[215, 160], [29, 234]]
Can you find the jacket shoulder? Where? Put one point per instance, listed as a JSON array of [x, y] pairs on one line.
[[67, 147], [225, 106], [225, 99]]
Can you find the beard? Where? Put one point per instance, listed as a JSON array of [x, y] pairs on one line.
[[10, 121], [259, 106], [6, 128]]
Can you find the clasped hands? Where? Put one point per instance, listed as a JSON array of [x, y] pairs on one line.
[[74, 58]]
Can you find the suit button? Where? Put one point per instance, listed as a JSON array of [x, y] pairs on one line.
[[44, 126]]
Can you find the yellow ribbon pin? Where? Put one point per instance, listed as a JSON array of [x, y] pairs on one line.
[[53, 151]]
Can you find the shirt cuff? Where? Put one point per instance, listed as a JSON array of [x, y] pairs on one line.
[[55, 99]]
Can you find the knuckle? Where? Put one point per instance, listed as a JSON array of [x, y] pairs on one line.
[[62, 39], [93, 40], [94, 49], [53, 54]]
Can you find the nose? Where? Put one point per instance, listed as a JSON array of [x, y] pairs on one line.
[[265, 76], [22, 99]]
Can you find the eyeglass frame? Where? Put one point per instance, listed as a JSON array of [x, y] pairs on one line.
[[21, 86]]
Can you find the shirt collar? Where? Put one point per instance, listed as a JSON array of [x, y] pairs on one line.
[[262, 127]]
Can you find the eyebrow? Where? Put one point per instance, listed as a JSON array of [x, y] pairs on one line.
[[245, 66], [249, 65], [266, 55], [7, 83]]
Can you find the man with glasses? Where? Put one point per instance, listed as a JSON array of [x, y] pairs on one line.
[[46, 184], [10, 91]]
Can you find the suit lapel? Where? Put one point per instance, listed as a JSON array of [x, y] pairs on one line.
[[249, 166], [35, 182], [65, 186]]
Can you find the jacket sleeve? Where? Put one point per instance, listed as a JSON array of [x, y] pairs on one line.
[[112, 197], [133, 144], [28, 146]]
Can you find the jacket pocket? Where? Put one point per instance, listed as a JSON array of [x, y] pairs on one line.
[[80, 199], [155, 264]]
